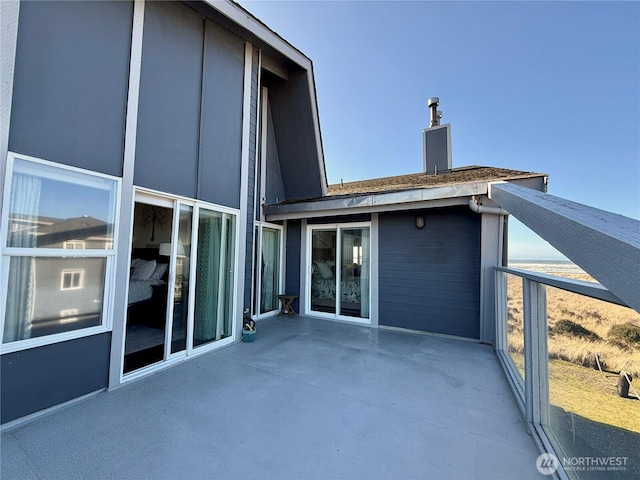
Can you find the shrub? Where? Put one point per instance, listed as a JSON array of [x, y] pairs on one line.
[[626, 334], [573, 329]]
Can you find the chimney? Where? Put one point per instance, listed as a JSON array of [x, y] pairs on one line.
[[436, 141]]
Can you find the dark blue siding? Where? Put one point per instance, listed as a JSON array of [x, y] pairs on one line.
[[71, 81], [292, 265], [43, 377], [221, 131], [429, 279], [169, 105], [295, 136]]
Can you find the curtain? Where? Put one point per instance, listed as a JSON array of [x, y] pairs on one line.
[[270, 263], [207, 278], [365, 273], [24, 202]]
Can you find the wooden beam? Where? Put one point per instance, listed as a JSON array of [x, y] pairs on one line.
[[604, 244]]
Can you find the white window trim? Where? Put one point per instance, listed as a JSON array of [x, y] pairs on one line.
[[307, 272], [8, 252]]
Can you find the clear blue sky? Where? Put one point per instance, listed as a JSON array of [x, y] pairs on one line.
[[551, 87]]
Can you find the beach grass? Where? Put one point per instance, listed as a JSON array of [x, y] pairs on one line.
[[579, 328]]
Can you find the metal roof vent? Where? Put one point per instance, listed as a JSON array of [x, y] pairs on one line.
[[436, 141]]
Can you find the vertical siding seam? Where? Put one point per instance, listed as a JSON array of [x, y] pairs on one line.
[[202, 95]]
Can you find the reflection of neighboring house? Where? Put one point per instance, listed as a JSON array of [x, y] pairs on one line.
[[73, 233], [222, 136], [68, 293]]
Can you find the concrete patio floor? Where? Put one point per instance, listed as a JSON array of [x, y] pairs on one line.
[[309, 399]]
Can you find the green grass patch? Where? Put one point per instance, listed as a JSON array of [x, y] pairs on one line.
[[586, 392]]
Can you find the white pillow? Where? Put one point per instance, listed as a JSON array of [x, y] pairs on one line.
[[143, 269], [159, 272], [324, 270]]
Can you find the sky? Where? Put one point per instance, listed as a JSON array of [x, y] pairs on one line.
[[549, 87]]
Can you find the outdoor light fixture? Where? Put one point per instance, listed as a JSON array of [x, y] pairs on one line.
[[419, 222]]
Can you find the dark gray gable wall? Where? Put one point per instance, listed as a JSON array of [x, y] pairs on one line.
[[429, 279], [295, 137], [71, 81], [190, 109]]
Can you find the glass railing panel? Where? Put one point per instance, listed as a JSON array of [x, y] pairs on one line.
[[590, 342], [515, 323]]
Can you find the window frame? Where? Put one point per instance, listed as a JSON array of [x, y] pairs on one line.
[[66, 173]]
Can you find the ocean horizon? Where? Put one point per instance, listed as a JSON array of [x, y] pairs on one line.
[[552, 267]]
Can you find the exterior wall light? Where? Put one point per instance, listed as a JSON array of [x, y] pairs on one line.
[[419, 222]]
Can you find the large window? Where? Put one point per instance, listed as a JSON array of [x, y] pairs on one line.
[[59, 228], [340, 270]]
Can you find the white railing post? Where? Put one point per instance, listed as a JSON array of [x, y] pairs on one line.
[[501, 311], [536, 363]]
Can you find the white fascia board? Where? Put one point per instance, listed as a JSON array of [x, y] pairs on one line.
[[246, 20], [451, 202], [316, 128], [403, 200]]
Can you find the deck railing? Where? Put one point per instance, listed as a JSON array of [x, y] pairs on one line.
[[583, 447]]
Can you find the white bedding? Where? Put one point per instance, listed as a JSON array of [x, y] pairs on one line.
[[140, 290]]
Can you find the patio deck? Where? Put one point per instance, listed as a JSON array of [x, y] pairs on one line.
[[308, 399]]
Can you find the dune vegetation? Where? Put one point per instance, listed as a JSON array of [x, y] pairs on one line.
[[579, 328]]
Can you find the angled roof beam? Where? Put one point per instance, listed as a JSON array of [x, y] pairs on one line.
[[604, 244]]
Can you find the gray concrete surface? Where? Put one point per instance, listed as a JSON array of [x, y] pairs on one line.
[[308, 399]]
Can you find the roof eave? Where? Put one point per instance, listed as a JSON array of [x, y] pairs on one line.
[[432, 197]]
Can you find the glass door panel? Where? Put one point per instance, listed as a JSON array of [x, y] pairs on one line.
[[148, 284], [270, 270], [354, 278], [323, 270], [214, 277], [181, 284]]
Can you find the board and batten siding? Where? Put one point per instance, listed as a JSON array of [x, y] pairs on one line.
[[70, 83], [189, 135], [429, 279]]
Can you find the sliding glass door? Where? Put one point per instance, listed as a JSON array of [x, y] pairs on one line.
[[339, 282], [181, 286], [214, 277]]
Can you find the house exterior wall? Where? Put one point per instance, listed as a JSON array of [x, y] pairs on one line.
[[190, 111], [429, 279], [293, 260], [70, 83], [69, 98], [188, 137], [293, 125], [42, 377]]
